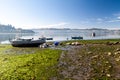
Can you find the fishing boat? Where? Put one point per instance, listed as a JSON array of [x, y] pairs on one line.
[[18, 42]]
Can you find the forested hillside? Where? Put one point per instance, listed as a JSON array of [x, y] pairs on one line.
[[12, 29]]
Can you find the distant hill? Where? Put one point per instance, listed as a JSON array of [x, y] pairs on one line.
[[12, 29], [68, 29], [52, 29], [97, 29]]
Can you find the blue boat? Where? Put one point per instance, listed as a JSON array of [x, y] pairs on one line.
[[79, 37]]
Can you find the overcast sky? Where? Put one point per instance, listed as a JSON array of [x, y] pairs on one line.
[[60, 13]]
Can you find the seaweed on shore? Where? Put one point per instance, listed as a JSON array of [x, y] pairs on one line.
[[92, 61]]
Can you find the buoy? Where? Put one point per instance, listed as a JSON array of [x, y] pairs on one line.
[[93, 34], [56, 43]]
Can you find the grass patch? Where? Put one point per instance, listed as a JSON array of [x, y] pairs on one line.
[[93, 41], [28, 63]]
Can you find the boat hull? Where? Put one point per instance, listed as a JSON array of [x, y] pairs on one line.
[[27, 43]]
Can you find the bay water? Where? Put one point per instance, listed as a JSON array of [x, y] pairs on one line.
[[62, 34]]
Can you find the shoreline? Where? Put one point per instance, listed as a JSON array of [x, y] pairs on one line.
[[51, 41], [78, 62]]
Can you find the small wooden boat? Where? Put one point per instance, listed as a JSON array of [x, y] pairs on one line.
[[79, 37], [49, 38], [27, 42]]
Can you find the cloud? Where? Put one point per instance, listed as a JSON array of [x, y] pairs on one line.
[[117, 20], [84, 22], [118, 17], [58, 25], [117, 14], [106, 22], [99, 20]]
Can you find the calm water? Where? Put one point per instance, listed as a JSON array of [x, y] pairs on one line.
[[86, 34], [60, 35]]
